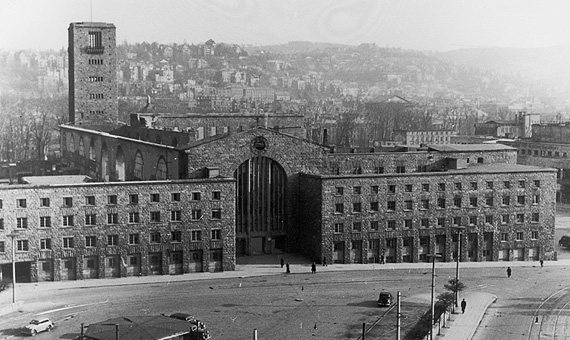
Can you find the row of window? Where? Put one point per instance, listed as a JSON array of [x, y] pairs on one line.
[[112, 199], [96, 96], [95, 79], [442, 203], [543, 153], [113, 240], [440, 222], [113, 218], [426, 187], [95, 62]]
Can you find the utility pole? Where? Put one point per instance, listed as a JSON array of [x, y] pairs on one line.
[[431, 319], [13, 235], [398, 316]]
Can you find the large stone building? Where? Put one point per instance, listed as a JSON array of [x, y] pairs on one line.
[[265, 188]]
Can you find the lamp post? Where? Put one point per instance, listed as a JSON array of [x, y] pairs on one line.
[[13, 235], [431, 319], [458, 259]]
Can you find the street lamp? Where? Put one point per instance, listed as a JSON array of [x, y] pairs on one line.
[[458, 259], [13, 235], [431, 319]]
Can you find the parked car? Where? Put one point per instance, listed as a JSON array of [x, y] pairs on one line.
[[385, 299], [198, 328], [564, 241], [38, 325]]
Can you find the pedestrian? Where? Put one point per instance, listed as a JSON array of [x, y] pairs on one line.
[[541, 263], [509, 271], [287, 268], [382, 258], [282, 262], [314, 268], [324, 261], [463, 305]]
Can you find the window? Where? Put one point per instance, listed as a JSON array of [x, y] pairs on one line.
[[505, 219], [391, 205], [391, 189], [89, 200], [506, 200], [507, 184], [425, 187], [489, 201], [473, 185], [535, 199], [457, 186], [22, 245], [520, 235], [68, 220], [216, 195], [457, 221], [391, 224], [424, 241], [521, 184], [457, 201], [1, 204], [374, 206], [112, 199], [357, 190], [134, 239], [176, 236], [45, 221], [90, 219], [357, 226], [112, 218], [44, 202], [339, 208], [489, 219], [408, 188], [155, 197], [175, 197], [374, 189], [338, 227], [534, 235], [339, 190], [22, 222], [133, 199], [196, 214], [408, 224], [441, 186], [95, 40], [176, 215], [134, 217], [408, 205], [139, 165], [216, 234], [520, 218], [45, 243], [520, 199], [400, 169], [196, 196], [504, 237], [425, 223], [155, 216], [378, 169], [217, 214], [472, 202], [112, 240], [1, 224], [441, 203], [374, 225], [535, 217], [68, 242], [90, 241], [472, 220], [67, 202], [489, 185], [424, 204], [441, 222], [537, 183], [21, 203], [133, 260], [155, 237], [196, 235]]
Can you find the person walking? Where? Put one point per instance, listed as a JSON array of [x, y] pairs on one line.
[[382, 257], [324, 261], [314, 268], [287, 270], [509, 271], [463, 305], [541, 263], [282, 262]]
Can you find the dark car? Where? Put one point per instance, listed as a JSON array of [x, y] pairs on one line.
[[564, 241], [385, 299]]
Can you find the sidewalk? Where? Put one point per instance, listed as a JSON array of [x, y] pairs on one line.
[[463, 326]]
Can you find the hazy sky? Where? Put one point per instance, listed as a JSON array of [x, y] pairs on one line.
[[410, 24]]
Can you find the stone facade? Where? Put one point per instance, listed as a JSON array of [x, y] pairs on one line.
[[97, 230]]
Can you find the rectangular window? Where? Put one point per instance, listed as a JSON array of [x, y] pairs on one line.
[[68, 242], [216, 234], [391, 189], [391, 205], [457, 186], [155, 197], [216, 195], [473, 202], [457, 201], [133, 260], [535, 217], [155, 237], [89, 200], [400, 169], [45, 244], [378, 169], [374, 225], [339, 208], [473, 185], [45, 222], [489, 201], [408, 188], [338, 227], [90, 219], [112, 240], [357, 190], [22, 245], [112, 199], [22, 222], [520, 235], [507, 184], [535, 199], [68, 202], [506, 200], [441, 222], [1, 224], [537, 183], [176, 215], [534, 235], [67, 220], [374, 189], [44, 202], [520, 199], [408, 224], [408, 205], [1, 204], [520, 218], [196, 235], [21, 203], [522, 184], [504, 237], [457, 221], [374, 206], [489, 185], [155, 216], [176, 236], [425, 204], [133, 199], [425, 187], [489, 219], [134, 239], [196, 196], [134, 217], [339, 191], [425, 222], [441, 203], [473, 220], [90, 241], [175, 197], [217, 214], [196, 214], [441, 186], [112, 218], [391, 224], [357, 226], [505, 219]]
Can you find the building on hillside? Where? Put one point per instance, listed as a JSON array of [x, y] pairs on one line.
[[418, 137], [520, 127]]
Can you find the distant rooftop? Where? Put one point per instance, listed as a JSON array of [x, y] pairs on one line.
[[47, 180], [469, 147]]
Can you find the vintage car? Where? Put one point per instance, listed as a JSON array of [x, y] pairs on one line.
[[37, 325], [385, 299]]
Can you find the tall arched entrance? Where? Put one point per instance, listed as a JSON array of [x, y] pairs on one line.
[[260, 206]]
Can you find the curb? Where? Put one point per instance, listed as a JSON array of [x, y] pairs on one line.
[[472, 333]]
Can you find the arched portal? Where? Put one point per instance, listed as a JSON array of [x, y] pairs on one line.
[[260, 206]]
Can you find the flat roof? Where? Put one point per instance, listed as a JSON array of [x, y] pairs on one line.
[[469, 147], [48, 180]]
